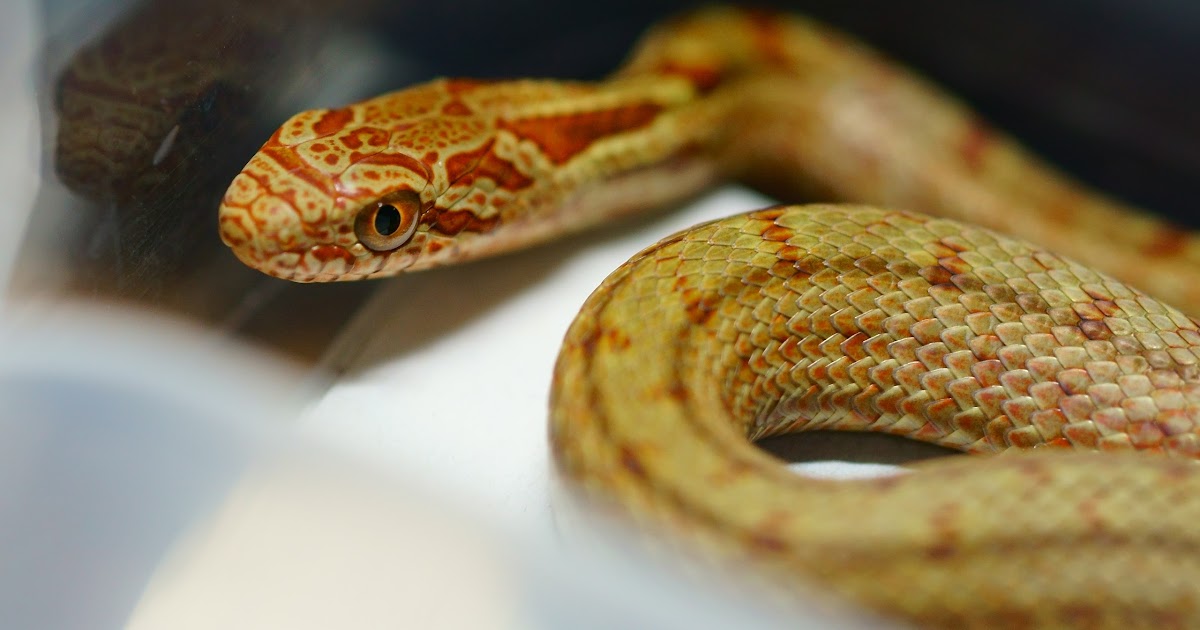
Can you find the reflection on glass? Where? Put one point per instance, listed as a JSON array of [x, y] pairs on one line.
[[154, 117]]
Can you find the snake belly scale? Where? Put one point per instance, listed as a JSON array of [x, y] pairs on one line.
[[1025, 320]]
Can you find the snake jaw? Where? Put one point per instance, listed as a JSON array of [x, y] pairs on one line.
[[304, 253], [267, 235], [302, 262], [315, 263], [300, 252]]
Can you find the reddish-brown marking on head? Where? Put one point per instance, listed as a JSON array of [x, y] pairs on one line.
[[289, 161], [565, 136], [329, 253], [465, 167], [456, 108], [333, 121], [451, 222], [229, 235], [401, 160], [461, 163]]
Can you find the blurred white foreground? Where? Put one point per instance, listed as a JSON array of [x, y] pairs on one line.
[[154, 474], [149, 478]]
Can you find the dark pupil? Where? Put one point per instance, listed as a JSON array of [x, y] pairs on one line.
[[387, 219]]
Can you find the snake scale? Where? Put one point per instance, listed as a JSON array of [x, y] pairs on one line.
[[1009, 323]]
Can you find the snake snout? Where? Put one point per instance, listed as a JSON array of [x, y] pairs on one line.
[[282, 228], [291, 254], [269, 235]]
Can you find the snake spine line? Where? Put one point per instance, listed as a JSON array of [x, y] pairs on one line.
[[1025, 319]]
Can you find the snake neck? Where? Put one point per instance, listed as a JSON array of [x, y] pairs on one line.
[[812, 114], [498, 165]]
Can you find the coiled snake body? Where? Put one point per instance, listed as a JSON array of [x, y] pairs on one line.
[[795, 318]]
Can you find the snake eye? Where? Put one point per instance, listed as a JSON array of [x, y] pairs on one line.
[[389, 222]]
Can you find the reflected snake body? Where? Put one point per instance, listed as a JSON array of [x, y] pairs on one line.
[[165, 88], [807, 317]]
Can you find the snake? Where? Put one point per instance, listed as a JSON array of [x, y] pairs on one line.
[[963, 292]]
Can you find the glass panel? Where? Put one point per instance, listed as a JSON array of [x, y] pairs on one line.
[[124, 122]]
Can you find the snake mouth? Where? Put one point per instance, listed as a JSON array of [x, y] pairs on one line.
[[325, 262]]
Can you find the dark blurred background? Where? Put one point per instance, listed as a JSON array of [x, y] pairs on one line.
[[1105, 89], [1108, 89]]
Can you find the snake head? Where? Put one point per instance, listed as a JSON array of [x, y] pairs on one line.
[[387, 185], [452, 170]]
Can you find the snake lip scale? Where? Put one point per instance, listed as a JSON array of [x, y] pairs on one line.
[[972, 297]]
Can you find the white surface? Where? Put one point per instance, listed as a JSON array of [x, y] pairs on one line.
[[155, 492], [131, 491], [450, 387]]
